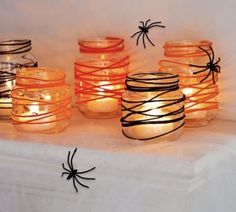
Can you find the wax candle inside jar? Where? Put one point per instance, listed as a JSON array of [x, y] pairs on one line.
[[199, 114], [36, 119], [150, 130], [104, 104], [5, 102]]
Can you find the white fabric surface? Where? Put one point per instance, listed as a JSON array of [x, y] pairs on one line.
[[193, 174]]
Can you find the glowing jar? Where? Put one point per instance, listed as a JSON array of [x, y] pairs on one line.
[[100, 72], [193, 62], [41, 100], [152, 107], [14, 54]]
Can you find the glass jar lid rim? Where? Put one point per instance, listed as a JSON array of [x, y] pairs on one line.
[[151, 81]]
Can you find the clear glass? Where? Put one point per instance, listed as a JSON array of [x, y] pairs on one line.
[[41, 101], [14, 54], [100, 72], [201, 96], [155, 110]]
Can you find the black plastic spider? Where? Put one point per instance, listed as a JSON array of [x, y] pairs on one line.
[[212, 66], [73, 173], [144, 30]]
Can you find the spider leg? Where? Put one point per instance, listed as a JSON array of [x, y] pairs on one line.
[[81, 183], [137, 41], [156, 26], [85, 178], [64, 173], [213, 54], [86, 171], [136, 33], [147, 23], [197, 66], [144, 40], [75, 185], [197, 72], [142, 23], [65, 167], [149, 39], [208, 54], [68, 160], [206, 76], [71, 160], [217, 61], [213, 77], [153, 23]]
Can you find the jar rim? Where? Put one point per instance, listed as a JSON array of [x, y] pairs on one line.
[[151, 81], [40, 76], [187, 48], [15, 46], [101, 45]]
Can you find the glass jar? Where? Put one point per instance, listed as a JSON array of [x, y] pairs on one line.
[[41, 100], [100, 72], [152, 107], [14, 54], [194, 62]]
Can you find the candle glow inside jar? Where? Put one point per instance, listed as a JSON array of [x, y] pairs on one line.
[[198, 69], [14, 54], [41, 100], [100, 73], [152, 107]]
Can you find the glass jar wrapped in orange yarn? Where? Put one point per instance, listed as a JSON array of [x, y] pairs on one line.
[[100, 72], [41, 100], [198, 69]]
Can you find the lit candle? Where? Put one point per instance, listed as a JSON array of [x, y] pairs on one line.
[[150, 130], [198, 114], [5, 102], [5, 106], [105, 104], [41, 123]]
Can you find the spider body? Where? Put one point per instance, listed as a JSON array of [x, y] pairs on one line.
[[144, 30], [212, 66], [73, 173]]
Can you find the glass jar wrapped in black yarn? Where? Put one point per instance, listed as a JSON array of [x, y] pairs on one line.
[[152, 107], [14, 54]]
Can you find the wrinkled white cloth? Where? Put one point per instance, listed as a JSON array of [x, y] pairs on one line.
[[193, 174]]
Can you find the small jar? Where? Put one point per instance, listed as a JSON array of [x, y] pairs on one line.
[[14, 54], [41, 100], [152, 107], [198, 70], [100, 72]]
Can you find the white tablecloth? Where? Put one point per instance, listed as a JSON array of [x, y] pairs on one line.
[[193, 174]]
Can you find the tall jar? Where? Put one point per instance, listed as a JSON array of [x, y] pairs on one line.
[[41, 100], [152, 107], [100, 72], [14, 54], [198, 68]]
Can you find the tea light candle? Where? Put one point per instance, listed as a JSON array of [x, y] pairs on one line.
[[150, 130], [105, 104], [5, 106], [198, 114], [35, 121]]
